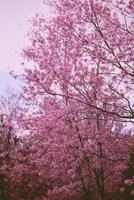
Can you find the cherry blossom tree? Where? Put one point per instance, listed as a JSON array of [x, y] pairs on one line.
[[86, 55], [78, 96]]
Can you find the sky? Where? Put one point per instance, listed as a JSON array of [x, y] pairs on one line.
[[15, 18]]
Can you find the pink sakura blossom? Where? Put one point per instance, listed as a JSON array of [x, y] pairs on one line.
[[128, 182], [122, 189]]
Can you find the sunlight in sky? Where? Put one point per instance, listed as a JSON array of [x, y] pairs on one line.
[[14, 24]]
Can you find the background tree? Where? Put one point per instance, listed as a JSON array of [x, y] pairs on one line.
[[81, 86], [128, 185]]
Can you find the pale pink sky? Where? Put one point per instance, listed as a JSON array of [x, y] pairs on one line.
[[14, 24]]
